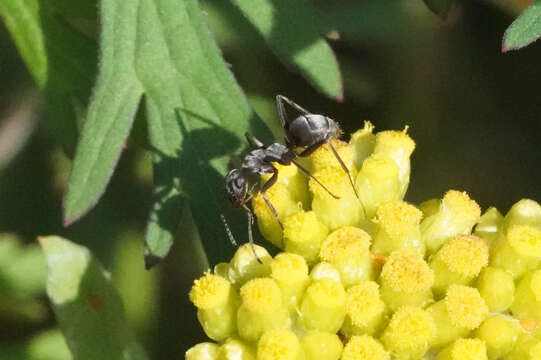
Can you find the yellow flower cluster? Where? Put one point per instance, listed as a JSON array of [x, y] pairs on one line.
[[374, 277]]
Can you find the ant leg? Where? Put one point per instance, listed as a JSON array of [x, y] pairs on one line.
[[301, 168], [271, 207], [344, 167], [254, 142], [228, 231], [280, 99], [250, 235], [310, 149]]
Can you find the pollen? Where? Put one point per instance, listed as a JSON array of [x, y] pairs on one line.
[[363, 303], [406, 271], [469, 349], [464, 207], [465, 255], [326, 293], [364, 347], [397, 217], [525, 240], [410, 330], [209, 291], [303, 226], [261, 295], [278, 345], [380, 167], [344, 243], [334, 179], [465, 306], [324, 156], [289, 268]]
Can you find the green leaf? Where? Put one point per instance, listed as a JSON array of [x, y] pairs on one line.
[[111, 110], [87, 307], [48, 345], [198, 86], [439, 7], [524, 30], [61, 60], [289, 29]]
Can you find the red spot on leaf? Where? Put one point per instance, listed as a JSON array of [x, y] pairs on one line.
[[95, 301]]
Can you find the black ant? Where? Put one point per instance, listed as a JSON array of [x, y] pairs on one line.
[[243, 183], [310, 131]]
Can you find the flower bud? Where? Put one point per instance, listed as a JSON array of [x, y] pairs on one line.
[[347, 250], [303, 235], [203, 351], [244, 265], [362, 141], [499, 334], [291, 274], [234, 349], [324, 270], [456, 215], [527, 304], [527, 347], [464, 349], [261, 309], [409, 333], [518, 250], [398, 146], [398, 228], [324, 157], [523, 212], [318, 345], [489, 225], [497, 288], [335, 213], [378, 182], [323, 307], [458, 261], [216, 303], [295, 181], [406, 279]]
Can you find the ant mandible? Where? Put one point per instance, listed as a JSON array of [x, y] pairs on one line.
[[243, 183]]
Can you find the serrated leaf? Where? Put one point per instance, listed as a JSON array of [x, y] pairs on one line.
[[197, 85], [289, 29], [111, 110], [61, 60], [524, 30], [87, 307], [439, 7]]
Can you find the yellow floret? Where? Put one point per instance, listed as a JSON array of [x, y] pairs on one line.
[[364, 347], [324, 157], [289, 268], [326, 293], [464, 206], [535, 285], [397, 217], [245, 266], [319, 345], [203, 351], [323, 306], [363, 303], [324, 270], [465, 306], [409, 333], [278, 345], [233, 349], [209, 291], [363, 142], [344, 243], [465, 255], [398, 228], [406, 271], [395, 140], [261, 295], [525, 240], [303, 235]]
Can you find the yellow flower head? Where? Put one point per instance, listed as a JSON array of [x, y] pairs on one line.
[[209, 291], [261, 295], [363, 303], [465, 254], [465, 306], [278, 345], [343, 243], [405, 270], [364, 347]]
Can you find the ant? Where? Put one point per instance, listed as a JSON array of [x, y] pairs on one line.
[[310, 131], [241, 184]]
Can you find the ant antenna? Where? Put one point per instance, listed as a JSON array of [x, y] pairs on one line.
[[228, 231], [344, 167], [304, 170]]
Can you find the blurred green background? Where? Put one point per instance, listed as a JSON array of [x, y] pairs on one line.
[[474, 112]]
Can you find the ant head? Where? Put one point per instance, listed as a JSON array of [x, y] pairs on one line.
[[236, 186]]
